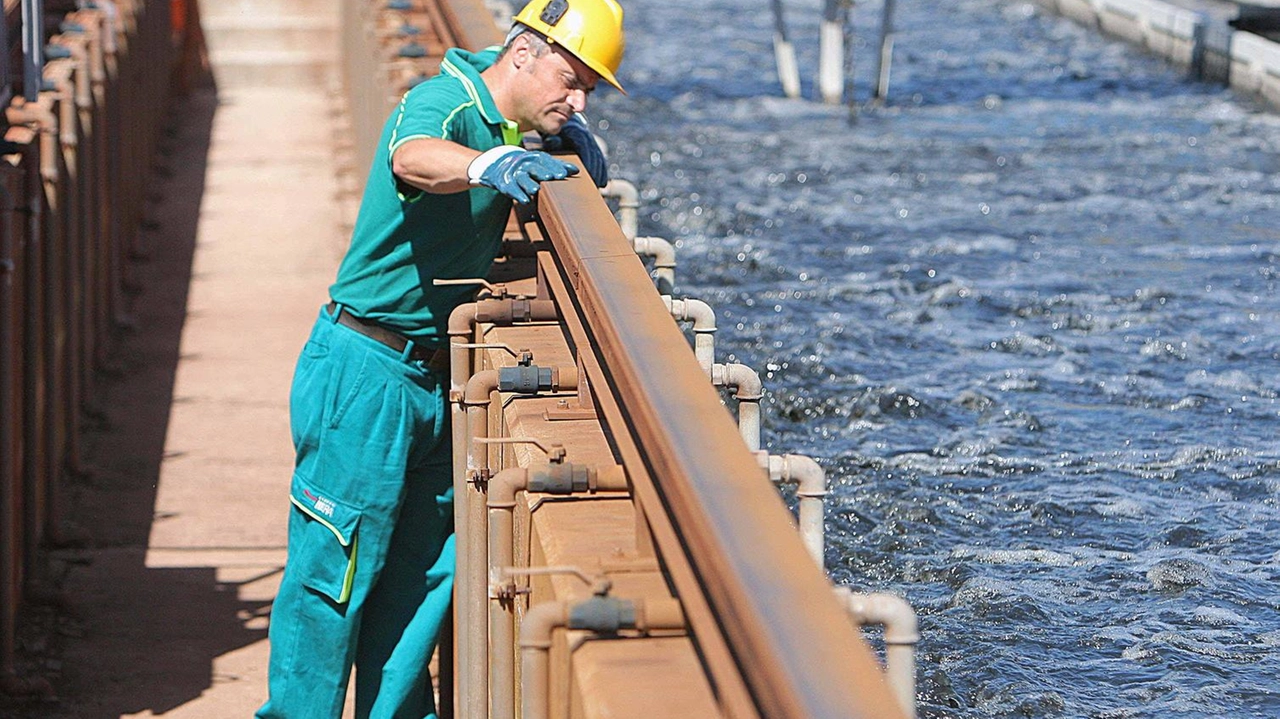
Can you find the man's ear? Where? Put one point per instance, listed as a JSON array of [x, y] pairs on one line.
[[520, 51]]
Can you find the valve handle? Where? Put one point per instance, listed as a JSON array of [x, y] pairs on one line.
[[497, 292], [600, 584], [523, 356], [555, 452]]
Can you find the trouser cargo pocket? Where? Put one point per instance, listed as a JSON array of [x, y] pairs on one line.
[[323, 540]]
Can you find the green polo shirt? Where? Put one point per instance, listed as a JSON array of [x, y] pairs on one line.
[[404, 238]]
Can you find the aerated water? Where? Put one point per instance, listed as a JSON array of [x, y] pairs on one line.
[[1025, 315]]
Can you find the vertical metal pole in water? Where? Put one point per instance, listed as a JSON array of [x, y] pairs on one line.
[[32, 47], [784, 54], [831, 52], [850, 42], [886, 53]]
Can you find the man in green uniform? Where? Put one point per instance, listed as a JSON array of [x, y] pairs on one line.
[[369, 575]]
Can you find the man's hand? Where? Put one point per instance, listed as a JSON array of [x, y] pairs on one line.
[[575, 137], [515, 172]]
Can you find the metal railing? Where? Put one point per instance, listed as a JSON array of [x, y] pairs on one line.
[[790, 641], [772, 638], [80, 131]]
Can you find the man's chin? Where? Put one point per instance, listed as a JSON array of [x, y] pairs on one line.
[[553, 124]]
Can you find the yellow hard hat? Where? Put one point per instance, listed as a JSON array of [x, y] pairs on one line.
[[590, 29]]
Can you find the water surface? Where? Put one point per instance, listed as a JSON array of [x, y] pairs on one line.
[[1025, 314]]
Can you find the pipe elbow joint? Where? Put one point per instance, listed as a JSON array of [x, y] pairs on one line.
[[691, 310], [662, 251], [462, 321], [504, 485], [745, 381], [807, 473], [623, 190], [479, 387], [703, 317], [38, 113], [539, 622], [901, 626]]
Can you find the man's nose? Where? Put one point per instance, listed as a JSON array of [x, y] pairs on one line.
[[577, 100]]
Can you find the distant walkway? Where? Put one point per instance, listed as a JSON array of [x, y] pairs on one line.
[[187, 500]]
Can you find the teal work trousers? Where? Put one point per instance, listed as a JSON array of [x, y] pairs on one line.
[[369, 574]]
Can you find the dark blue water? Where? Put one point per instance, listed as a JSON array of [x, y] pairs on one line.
[[1025, 315]]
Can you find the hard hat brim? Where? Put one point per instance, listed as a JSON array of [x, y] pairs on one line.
[[597, 68]]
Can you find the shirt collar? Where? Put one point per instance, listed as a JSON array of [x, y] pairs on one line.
[[466, 67]]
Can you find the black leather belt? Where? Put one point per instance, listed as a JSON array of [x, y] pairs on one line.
[[436, 359]]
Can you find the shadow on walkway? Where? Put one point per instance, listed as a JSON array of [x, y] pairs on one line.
[[133, 639]]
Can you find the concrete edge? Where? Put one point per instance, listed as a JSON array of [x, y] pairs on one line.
[[1208, 47]]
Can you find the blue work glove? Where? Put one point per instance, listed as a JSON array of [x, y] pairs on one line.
[[575, 137], [516, 172]]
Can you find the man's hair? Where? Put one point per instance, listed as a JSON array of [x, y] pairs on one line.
[[537, 43]]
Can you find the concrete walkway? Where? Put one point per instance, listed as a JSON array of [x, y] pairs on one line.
[[186, 500]]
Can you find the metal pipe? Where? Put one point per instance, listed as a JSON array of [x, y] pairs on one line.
[[535, 641], [831, 52], [11, 434], [628, 198], [468, 511], [77, 45], [748, 390], [86, 25], [664, 261], [59, 72], [35, 358], [6, 79], [502, 502], [784, 53], [461, 331], [885, 58], [78, 147], [704, 327], [32, 44], [472, 636], [477, 398], [50, 391], [901, 634], [40, 115], [599, 614], [559, 479], [812, 490]]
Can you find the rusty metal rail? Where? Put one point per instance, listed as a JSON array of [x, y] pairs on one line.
[[73, 185], [789, 639], [608, 380]]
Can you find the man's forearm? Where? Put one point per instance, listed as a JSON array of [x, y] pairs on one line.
[[433, 165]]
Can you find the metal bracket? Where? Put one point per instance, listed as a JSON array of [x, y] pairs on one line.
[[566, 411], [507, 593], [582, 407], [480, 477]]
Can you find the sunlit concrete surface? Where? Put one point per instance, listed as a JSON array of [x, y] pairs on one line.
[[246, 231]]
